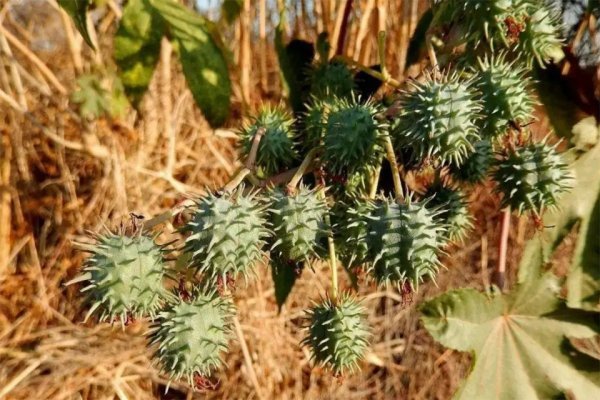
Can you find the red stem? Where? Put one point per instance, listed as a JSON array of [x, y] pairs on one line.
[[500, 274], [344, 28]]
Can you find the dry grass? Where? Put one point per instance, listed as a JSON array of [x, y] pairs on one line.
[[62, 175]]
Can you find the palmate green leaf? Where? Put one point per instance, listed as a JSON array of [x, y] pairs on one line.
[[99, 97], [118, 99], [137, 46], [580, 209], [204, 64], [93, 99], [520, 341], [77, 10]]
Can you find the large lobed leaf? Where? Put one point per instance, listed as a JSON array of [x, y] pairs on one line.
[[580, 208], [77, 10], [137, 46], [203, 61], [519, 340]]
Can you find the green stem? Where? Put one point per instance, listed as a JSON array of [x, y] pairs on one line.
[[375, 74], [391, 157], [332, 255], [374, 182], [381, 54]]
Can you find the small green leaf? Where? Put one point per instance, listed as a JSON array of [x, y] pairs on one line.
[[93, 99], [118, 99], [99, 97], [204, 64], [77, 10], [520, 341], [284, 276], [137, 47], [231, 9], [578, 208]]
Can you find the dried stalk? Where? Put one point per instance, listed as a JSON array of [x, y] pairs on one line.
[[167, 105], [46, 72], [5, 203]]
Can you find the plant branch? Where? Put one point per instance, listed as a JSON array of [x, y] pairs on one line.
[[303, 168], [432, 56], [168, 215], [251, 160], [375, 74], [374, 182], [232, 184], [381, 53], [391, 157]]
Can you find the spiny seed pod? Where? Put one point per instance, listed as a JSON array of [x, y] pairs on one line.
[[125, 276], [337, 333], [506, 95], [314, 121], [346, 187], [531, 177], [439, 118], [357, 183], [331, 79], [403, 240], [454, 212], [352, 136], [494, 21], [276, 150], [226, 235], [192, 334], [540, 39], [351, 230], [476, 166], [298, 222]]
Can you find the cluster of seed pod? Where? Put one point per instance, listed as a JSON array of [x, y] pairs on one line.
[[464, 125], [528, 28]]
